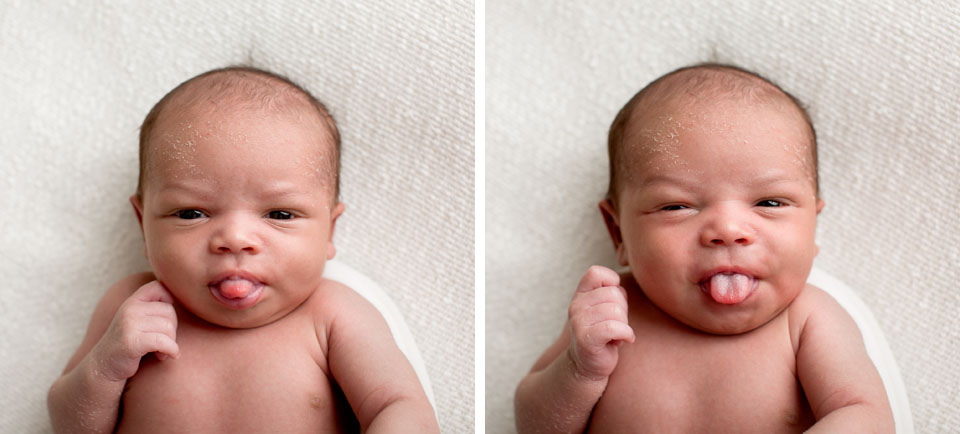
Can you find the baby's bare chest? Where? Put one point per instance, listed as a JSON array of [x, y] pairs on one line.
[[269, 379], [670, 380]]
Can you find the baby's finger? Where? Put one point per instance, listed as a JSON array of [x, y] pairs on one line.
[[153, 291], [157, 309], [596, 277], [613, 332], [161, 344], [600, 313], [154, 324], [606, 294]]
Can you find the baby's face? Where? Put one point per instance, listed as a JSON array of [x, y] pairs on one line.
[[717, 212], [236, 213]]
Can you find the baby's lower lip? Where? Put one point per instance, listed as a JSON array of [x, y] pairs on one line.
[[237, 293]]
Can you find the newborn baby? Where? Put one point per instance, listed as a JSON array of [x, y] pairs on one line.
[[712, 205], [235, 329]]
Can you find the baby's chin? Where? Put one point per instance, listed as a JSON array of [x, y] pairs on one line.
[[725, 320], [728, 327], [708, 316], [262, 313]]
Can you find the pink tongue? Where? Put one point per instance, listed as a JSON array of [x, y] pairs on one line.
[[730, 288], [236, 288]]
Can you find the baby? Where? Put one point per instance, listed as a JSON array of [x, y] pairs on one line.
[[236, 330], [712, 205]]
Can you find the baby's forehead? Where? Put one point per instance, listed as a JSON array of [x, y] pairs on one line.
[[182, 133], [707, 99], [207, 105], [188, 138], [664, 122], [661, 136], [723, 124]]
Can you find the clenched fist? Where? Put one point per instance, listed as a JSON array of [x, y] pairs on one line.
[[598, 323], [145, 323]]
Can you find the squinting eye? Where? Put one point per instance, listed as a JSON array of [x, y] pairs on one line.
[[190, 214], [674, 207], [280, 215], [770, 203]]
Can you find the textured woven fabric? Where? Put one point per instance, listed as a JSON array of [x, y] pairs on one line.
[[76, 80], [881, 81]]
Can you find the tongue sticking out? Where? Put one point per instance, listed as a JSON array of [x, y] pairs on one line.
[[730, 288], [236, 288]]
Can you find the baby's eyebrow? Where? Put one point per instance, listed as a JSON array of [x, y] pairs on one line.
[[282, 190], [774, 177], [662, 178], [188, 188], [764, 179]]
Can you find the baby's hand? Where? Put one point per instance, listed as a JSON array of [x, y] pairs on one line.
[[598, 323], [146, 322]]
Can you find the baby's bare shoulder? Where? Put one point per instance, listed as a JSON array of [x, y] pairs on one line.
[[334, 302], [814, 301], [814, 307], [334, 296]]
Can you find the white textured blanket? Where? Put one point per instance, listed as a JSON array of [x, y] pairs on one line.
[[881, 80], [76, 80]]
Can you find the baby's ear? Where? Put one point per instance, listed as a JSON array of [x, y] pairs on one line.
[[334, 213], [137, 208], [609, 212], [820, 205]]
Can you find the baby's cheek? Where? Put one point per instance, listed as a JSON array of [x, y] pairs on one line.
[[165, 255], [648, 264]]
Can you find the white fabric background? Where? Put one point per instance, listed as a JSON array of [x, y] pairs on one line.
[[76, 80], [881, 79]]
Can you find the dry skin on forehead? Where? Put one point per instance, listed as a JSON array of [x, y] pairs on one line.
[[653, 142], [172, 153], [175, 150]]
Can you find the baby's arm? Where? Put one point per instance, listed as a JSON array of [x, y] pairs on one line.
[[559, 393], [124, 327], [842, 385], [378, 381]]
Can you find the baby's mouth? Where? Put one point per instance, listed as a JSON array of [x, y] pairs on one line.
[[729, 288], [236, 292]]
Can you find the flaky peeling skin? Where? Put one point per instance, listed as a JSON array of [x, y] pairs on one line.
[[653, 138], [178, 145], [661, 137], [178, 142]]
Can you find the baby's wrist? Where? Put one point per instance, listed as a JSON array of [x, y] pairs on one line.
[[581, 375], [102, 369]]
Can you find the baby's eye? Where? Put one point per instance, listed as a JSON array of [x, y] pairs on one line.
[[770, 203], [673, 208], [280, 215], [190, 214]]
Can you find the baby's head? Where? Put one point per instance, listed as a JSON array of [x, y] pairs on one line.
[[237, 88], [713, 196], [238, 194], [646, 122]]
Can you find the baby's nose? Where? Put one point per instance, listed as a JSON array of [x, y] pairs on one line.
[[234, 236], [727, 229]]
